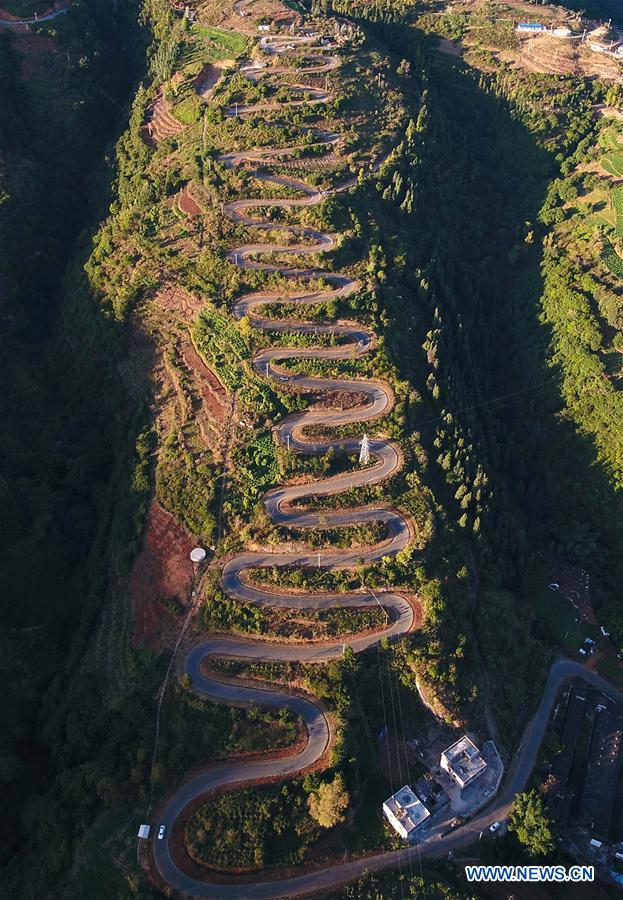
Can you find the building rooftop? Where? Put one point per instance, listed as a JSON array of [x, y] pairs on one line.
[[463, 760], [405, 811]]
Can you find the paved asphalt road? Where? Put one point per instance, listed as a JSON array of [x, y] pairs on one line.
[[15, 23], [281, 506]]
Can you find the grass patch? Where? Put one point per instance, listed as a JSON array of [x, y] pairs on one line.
[[617, 204], [611, 259], [613, 164], [554, 614], [257, 469], [186, 487], [219, 44]]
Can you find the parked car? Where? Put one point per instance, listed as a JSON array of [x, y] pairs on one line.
[[587, 647], [161, 832], [493, 828]]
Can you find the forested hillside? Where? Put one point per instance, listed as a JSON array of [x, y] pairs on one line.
[[63, 92], [538, 406]]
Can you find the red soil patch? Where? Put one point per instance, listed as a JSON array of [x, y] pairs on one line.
[[33, 50], [160, 124], [178, 300], [161, 570], [213, 393], [187, 203]]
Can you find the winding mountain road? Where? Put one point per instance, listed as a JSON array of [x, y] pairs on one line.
[[282, 507], [374, 399]]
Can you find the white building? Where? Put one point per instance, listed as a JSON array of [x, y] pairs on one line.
[[463, 762], [405, 812], [530, 27]]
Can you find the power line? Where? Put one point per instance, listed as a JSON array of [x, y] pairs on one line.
[[532, 389], [404, 741], [391, 697]]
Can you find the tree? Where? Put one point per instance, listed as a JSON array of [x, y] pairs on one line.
[[531, 824], [244, 326], [327, 806]]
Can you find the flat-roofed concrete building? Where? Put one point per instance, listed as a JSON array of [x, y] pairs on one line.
[[405, 812], [463, 762]]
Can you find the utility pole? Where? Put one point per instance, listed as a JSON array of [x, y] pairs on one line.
[[364, 453], [382, 608]]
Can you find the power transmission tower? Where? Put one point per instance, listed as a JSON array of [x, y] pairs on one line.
[[364, 453]]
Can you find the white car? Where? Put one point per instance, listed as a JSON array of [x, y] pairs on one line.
[[554, 586], [493, 828], [161, 832]]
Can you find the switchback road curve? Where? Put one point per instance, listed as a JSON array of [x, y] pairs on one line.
[[322, 880]]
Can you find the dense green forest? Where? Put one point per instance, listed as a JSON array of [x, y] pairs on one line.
[[526, 439], [59, 480]]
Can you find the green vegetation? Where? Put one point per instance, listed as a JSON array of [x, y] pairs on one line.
[[197, 730], [329, 803], [611, 258], [226, 350], [186, 488], [253, 829], [527, 432], [219, 613], [218, 44], [617, 204], [531, 825], [73, 460]]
